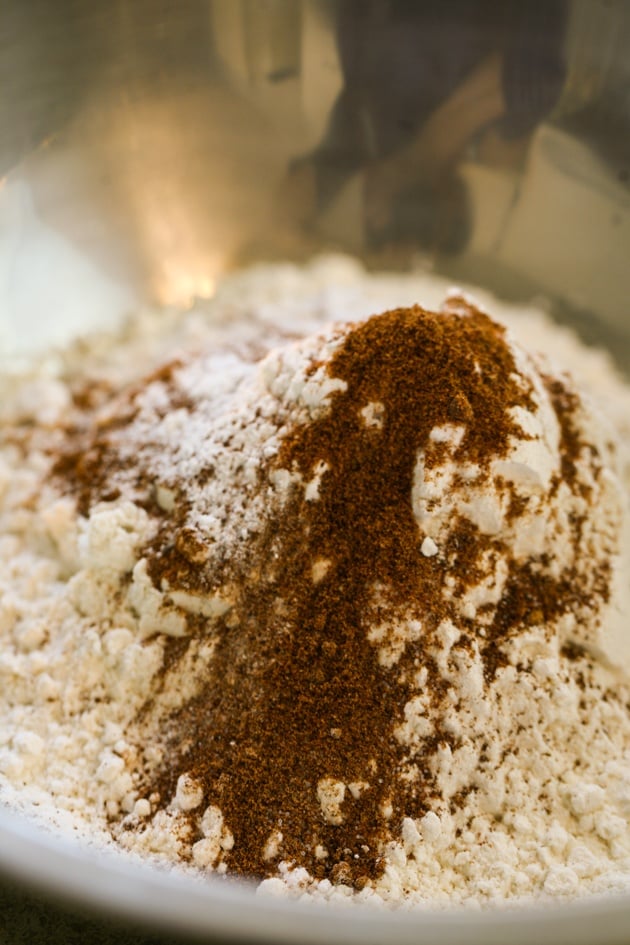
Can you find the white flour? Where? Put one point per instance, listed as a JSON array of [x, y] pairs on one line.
[[84, 629]]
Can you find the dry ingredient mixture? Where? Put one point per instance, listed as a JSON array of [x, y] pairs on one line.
[[333, 600]]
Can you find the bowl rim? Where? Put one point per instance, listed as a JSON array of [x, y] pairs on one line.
[[119, 886]]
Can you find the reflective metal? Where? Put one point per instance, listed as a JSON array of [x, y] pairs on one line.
[[155, 144]]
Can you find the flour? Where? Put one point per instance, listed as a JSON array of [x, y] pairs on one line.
[[137, 474]]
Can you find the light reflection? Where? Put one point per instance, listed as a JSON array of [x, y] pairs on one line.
[[192, 185], [181, 285]]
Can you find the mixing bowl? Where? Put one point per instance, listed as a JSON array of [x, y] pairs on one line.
[[148, 146]]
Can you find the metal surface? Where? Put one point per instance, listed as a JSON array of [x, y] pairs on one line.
[[164, 142], [149, 145]]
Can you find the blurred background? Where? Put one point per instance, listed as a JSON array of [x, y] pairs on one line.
[[147, 146]]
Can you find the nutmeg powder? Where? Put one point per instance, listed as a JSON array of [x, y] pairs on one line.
[[296, 692]]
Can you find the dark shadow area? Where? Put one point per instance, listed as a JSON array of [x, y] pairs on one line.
[[27, 918], [423, 83]]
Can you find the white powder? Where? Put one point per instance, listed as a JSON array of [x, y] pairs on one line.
[[84, 629]]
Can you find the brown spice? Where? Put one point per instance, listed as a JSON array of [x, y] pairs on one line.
[[92, 459], [287, 679], [295, 692], [566, 403]]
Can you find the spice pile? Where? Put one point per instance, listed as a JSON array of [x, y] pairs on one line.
[[340, 609]]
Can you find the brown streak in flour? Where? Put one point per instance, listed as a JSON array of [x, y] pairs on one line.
[[295, 692], [299, 666]]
